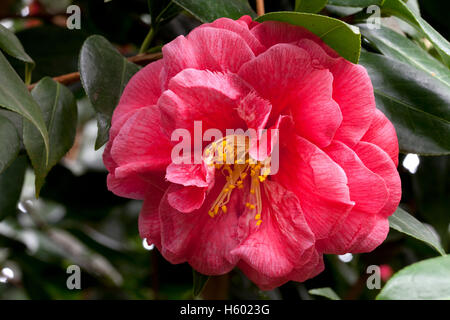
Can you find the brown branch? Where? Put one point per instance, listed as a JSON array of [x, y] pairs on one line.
[[259, 7], [140, 59]]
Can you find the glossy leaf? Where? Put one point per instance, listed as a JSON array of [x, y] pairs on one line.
[[60, 115], [425, 280], [14, 96], [325, 292], [16, 119], [311, 6], [343, 38], [355, 3], [403, 222], [12, 46], [9, 143], [199, 282], [104, 74], [208, 11], [400, 9], [11, 181], [416, 103], [396, 46]]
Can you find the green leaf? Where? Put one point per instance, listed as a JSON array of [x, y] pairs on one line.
[[14, 96], [311, 6], [416, 103], [60, 115], [17, 120], [104, 74], [199, 282], [208, 11], [400, 9], [342, 37], [12, 46], [325, 292], [11, 181], [403, 222], [9, 143], [355, 3], [394, 45], [425, 280]]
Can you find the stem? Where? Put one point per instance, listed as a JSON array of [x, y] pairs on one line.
[[259, 7], [148, 40], [28, 71]]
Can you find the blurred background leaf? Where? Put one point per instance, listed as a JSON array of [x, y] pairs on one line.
[[424, 280], [401, 10], [394, 45]]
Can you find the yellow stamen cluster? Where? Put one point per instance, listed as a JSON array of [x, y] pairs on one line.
[[230, 155]]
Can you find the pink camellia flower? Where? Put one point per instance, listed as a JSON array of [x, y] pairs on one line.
[[336, 183]]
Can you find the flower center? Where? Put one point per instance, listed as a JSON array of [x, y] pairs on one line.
[[231, 156]]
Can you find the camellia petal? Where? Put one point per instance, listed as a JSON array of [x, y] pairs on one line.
[[206, 96], [254, 110], [186, 198], [316, 115], [138, 142], [323, 192], [241, 28], [275, 248], [313, 265], [188, 174], [197, 238], [134, 182], [377, 160], [149, 222], [353, 91], [220, 50], [276, 73], [382, 133], [369, 192]]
